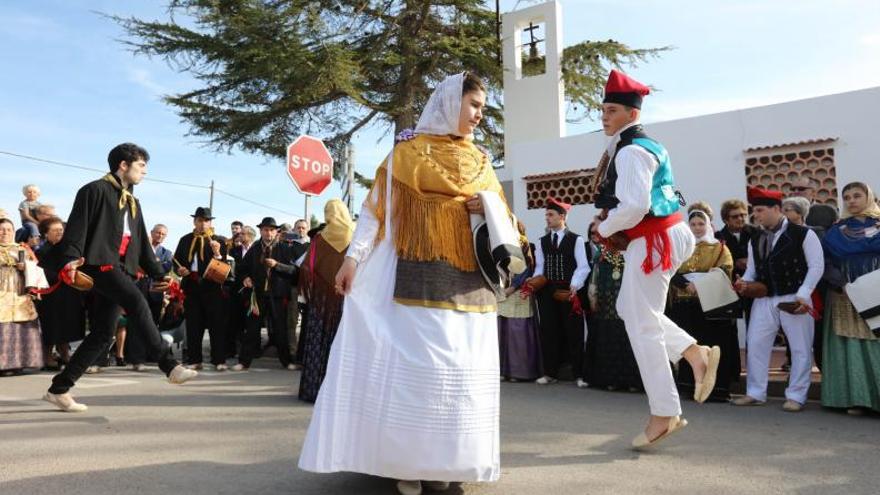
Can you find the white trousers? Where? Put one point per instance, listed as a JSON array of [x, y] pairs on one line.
[[764, 322], [656, 340]]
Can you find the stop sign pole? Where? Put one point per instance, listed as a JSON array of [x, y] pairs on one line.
[[310, 167]]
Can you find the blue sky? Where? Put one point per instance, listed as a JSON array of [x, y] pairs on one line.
[[69, 91]]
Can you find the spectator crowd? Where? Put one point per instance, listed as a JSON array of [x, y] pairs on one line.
[[792, 262]]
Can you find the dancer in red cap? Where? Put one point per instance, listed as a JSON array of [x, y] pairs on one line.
[[561, 268], [640, 216], [785, 263]]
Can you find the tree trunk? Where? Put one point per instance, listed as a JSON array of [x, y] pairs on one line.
[[411, 80]]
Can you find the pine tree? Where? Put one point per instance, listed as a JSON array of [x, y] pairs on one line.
[[273, 69]]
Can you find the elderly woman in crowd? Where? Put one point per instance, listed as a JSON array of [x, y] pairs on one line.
[[316, 284], [684, 306], [62, 311], [518, 339], [851, 364], [796, 209], [20, 345]]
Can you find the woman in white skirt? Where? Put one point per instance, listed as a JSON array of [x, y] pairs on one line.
[[411, 391]]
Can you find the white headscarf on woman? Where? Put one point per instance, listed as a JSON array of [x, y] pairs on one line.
[[871, 210], [709, 235], [441, 114]]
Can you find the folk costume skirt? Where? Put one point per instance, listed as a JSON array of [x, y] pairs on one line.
[[410, 393]]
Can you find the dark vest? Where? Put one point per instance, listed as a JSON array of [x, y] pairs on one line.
[[559, 263], [784, 270], [665, 200]]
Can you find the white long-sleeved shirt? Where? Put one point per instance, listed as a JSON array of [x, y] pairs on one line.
[[581, 271], [635, 175], [364, 232], [812, 252]]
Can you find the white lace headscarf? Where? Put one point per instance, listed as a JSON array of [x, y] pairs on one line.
[[440, 116], [709, 235]]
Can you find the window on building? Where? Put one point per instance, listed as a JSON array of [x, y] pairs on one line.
[[779, 167]]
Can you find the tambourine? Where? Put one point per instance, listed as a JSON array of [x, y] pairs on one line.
[[753, 290], [80, 280], [537, 283], [562, 295], [217, 271]]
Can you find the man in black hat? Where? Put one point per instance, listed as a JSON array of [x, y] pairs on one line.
[[106, 239], [268, 269], [203, 302]]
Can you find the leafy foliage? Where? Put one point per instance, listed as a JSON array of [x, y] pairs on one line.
[[273, 69]]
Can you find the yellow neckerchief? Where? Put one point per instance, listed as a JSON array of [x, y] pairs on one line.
[[339, 227], [125, 197], [200, 239], [432, 178]]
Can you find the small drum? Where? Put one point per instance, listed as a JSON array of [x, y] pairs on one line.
[[217, 271]]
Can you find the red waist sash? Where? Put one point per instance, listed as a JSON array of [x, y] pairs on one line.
[[654, 230]]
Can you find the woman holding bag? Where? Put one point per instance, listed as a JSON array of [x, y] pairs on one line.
[[851, 362], [684, 306]]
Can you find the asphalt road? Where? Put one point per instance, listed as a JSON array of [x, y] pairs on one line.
[[240, 433]]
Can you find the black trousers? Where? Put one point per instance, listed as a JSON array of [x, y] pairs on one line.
[[273, 313], [562, 335], [236, 322], [114, 291], [135, 346], [203, 308]]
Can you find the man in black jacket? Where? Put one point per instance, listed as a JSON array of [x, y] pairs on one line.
[[238, 295], [268, 269], [106, 239], [203, 304]]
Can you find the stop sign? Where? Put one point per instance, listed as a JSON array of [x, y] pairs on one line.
[[309, 165]]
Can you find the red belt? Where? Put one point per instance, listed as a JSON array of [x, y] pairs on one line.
[[654, 230]]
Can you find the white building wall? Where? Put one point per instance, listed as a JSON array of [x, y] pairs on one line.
[[708, 152]]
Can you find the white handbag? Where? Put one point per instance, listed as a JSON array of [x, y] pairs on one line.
[[717, 297], [864, 293]]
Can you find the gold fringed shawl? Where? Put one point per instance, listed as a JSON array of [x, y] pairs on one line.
[[432, 178], [706, 256]]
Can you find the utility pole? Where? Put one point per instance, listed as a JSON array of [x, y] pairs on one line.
[[498, 29], [211, 198], [348, 193], [307, 218]]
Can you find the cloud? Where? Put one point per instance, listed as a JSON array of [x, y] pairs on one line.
[[144, 79], [870, 40], [30, 27]]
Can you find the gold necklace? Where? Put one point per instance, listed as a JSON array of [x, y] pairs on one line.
[[616, 261]]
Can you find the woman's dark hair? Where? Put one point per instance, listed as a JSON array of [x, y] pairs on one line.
[[126, 152], [855, 185], [47, 223], [7, 220], [472, 83]]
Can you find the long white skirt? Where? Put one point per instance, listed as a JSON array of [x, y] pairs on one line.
[[410, 393]]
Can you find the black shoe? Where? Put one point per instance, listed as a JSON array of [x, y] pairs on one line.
[[120, 361]]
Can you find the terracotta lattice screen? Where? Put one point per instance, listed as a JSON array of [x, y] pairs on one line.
[[778, 167], [572, 187]]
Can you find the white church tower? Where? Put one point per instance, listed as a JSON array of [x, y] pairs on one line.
[[534, 106]]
